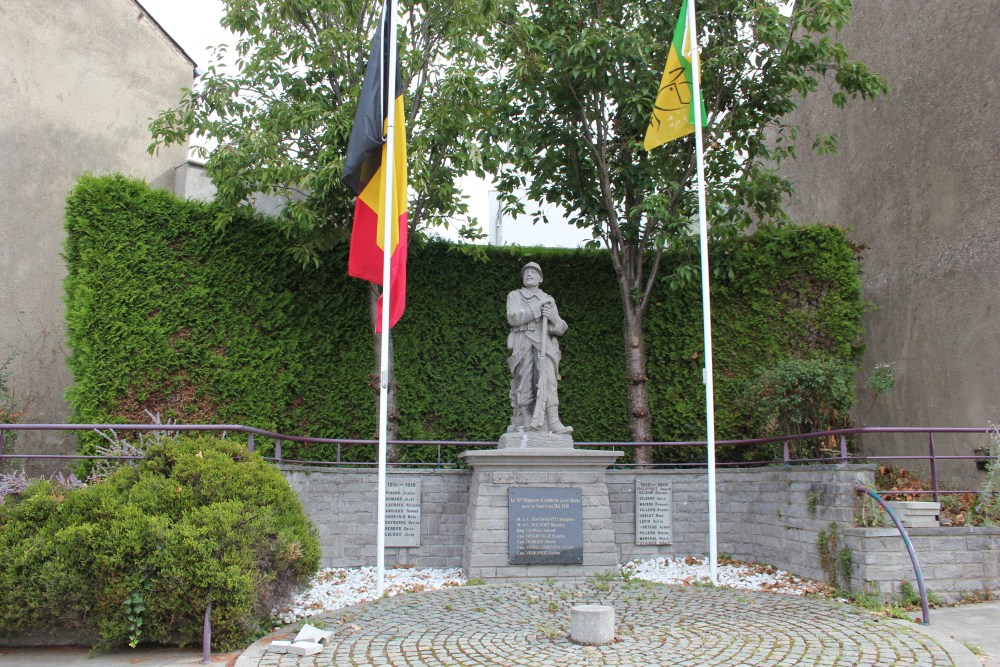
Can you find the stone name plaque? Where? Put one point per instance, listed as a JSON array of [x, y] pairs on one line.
[[652, 511], [402, 512], [545, 526]]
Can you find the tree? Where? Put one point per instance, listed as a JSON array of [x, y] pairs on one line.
[[279, 124], [574, 85]]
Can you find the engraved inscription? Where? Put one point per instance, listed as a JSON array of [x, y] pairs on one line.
[[545, 525], [402, 512], [652, 511]]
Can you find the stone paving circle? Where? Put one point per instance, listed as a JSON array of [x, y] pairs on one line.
[[527, 625]]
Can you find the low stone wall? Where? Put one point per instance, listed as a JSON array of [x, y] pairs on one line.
[[767, 515], [341, 503], [771, 515], [955, 562]]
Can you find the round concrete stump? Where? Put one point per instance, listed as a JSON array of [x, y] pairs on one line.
[[592, 624]]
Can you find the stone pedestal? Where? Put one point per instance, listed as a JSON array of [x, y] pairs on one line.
[[495, 472]]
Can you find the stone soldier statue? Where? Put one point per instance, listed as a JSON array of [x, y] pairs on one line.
[[534, 355]]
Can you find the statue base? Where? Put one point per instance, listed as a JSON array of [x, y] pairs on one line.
[[501, 536], [535, 440]]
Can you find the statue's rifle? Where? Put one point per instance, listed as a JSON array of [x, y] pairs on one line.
[[538, 416]]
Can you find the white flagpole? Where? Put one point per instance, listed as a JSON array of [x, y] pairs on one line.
[[713, 547], [387, 223]]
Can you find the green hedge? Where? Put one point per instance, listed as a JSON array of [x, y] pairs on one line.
[[168, 314], [136, 557]]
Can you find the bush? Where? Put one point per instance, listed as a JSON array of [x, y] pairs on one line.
[[9, 412], [802, 396], [138, 556]]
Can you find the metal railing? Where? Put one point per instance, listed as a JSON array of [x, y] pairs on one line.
[[839, 455]]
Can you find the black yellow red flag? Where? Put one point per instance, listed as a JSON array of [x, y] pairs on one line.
[[365, 171]]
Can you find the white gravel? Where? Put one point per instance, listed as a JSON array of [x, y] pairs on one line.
[[336, 588]]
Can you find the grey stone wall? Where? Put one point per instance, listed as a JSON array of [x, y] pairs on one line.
[[770, 515], [341, 503], [954, 562]]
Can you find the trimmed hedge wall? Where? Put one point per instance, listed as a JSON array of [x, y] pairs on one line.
[[167, 313]]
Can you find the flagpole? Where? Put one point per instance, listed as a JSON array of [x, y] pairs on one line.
[[713, 547], [387, 222]]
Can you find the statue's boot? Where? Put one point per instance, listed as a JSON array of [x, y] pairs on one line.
[[555, 425]]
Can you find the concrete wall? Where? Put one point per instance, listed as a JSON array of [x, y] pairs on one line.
[[80, 82], [917, 181], [770, 515]]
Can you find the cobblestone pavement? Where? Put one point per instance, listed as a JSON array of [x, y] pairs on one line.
[[527, 625]]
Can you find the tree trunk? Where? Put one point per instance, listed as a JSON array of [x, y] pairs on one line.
[[640, 421], [392, 423]]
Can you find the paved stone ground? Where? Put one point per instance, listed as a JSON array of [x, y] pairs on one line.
[[527, 625]]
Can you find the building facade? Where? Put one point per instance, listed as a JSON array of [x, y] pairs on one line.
[[916, 181], [81, 81]]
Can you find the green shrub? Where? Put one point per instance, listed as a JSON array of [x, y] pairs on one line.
[[801, 396], [138, 556], [9, 412]]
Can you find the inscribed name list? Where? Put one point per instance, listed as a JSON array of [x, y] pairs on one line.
[[653, 500], [545, 525], [402, 512]]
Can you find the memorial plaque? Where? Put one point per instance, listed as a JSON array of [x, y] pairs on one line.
[[545, 526], [652, 511], [402, 512]]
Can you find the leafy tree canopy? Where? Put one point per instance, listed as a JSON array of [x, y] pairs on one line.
[[278, 122], [573, 90]]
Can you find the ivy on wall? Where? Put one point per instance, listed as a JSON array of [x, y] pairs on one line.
[[168, 314]]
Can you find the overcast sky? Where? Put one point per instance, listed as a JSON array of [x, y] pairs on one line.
[[194, 24]]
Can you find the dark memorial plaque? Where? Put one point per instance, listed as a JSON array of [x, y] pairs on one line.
[[402, 512], [652, 511], [545, 526]]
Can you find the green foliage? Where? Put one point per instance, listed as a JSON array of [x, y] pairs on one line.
[[882, 379], [871, 515], [835, 560], [573, 91], [281, 117], [170, 316], [909, 596], [780, 299], [986, 510], [9, 410], [138, 556]]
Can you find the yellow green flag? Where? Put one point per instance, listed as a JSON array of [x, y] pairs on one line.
[[673, 114]]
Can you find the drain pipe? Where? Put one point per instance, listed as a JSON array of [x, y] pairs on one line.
[[925, 608]]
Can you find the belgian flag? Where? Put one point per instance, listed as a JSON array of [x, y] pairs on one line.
[[365, 171]]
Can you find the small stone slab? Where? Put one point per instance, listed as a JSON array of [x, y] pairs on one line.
[[310, 633], [592, 624], [304, 648], [279, 646]]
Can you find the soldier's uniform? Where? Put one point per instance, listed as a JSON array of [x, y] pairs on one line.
[[533, 378]]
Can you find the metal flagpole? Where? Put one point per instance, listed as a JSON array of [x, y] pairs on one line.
[[713, 547], [383, 398]]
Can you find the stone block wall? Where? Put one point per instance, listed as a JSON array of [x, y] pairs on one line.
[[770, 515], [954, 562], [341, 503]]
